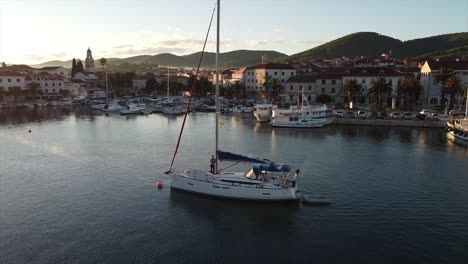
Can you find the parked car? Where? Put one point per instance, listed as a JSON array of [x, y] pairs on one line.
[[350, 114], [374, 115], [395, 115], [433, 116], [425, 112], [361, 114], [407, 116], [383, 115], [339, 113], [421, 116]]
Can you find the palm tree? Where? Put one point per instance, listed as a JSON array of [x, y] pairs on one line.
[[103, 62], [272, 87], [452, 87], [236, 87], [441, 77], [410, 88], [350, 89], [379, 88]]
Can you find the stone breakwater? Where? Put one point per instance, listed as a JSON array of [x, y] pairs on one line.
[[390, 122]]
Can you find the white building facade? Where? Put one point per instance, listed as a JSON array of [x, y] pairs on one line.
[[431, 90], [256, 76], [11, 79]]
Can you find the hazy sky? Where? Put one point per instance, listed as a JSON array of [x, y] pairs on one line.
[[34, 31]]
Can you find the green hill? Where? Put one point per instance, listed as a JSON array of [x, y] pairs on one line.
[[372, 44], [357, 44], [237, 58]]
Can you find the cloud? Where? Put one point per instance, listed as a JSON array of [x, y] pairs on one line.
[[153, 50], [123, 46], [255, 43], [33, 57], [312, 42], [60, 55]]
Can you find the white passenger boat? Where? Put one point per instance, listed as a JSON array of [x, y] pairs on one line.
[[302, 116], [263, 112]]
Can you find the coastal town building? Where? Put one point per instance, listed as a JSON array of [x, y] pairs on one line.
[[59, 70], [238, 75], [11, 79], [312, 85], [431, 90], [51, 84], [365, 76], [257, 75]]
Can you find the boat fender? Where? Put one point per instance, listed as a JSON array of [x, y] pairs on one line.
[[159, 185]]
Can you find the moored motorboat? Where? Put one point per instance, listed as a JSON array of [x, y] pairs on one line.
[[133, 109], [303, 117], [263, 112]]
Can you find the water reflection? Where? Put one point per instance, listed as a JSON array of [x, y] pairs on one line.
[[272, 217], [50, 114]]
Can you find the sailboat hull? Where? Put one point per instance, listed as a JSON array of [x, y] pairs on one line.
[[228, 187]]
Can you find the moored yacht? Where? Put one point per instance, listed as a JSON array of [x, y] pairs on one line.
[[133, 109], [302, 116]]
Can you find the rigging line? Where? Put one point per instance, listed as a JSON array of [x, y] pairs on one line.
[[193, 89]]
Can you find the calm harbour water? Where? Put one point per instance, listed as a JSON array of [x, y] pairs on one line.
[[80, 189]]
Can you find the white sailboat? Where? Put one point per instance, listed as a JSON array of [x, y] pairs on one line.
[[265, 181], [114, 106]]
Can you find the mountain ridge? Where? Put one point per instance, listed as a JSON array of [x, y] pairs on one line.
[[445, 46]]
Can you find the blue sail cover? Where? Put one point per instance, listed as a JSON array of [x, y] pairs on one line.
[[228, 156], [276, 167]]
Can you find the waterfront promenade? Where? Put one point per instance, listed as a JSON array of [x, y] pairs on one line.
[[391, 122]]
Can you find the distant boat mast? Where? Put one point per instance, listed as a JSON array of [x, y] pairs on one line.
[[167, 82]]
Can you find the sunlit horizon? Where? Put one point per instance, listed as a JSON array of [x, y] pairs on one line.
[[34, 32]]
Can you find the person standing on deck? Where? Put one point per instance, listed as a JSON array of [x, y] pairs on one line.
[[212, 164]]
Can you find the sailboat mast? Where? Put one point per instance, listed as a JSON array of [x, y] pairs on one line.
[[167, 82], [107, 91], [217, 84], [466, 103]]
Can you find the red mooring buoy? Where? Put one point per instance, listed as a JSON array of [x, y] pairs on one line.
[[159, 185]]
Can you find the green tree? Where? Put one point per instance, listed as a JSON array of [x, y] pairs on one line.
[[4, 65], [73, 69], [238, 89], [410, 88], [452, 87], [79, 67], [16, 92], [272, 88], [64, 92], [441, 77], [151, 85], [103, 62], [2, 93], [32, 90], [323, 99], [351, 89], [379, 88]]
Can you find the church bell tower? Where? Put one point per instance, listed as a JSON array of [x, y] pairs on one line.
[[89, 62]]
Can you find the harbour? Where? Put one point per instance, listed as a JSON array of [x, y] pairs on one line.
[[80, 187]]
